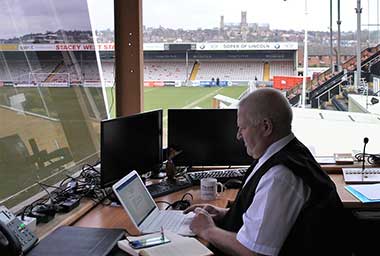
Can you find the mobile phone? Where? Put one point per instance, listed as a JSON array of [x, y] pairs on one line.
[[148, 242]]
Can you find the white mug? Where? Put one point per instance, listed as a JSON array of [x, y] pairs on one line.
[[209, 188]]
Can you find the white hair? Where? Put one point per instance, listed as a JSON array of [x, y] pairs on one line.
[[267, 103]]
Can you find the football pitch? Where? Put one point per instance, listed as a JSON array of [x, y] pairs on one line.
[[180, 97]]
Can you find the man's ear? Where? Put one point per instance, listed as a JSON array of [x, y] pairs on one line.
[[267, 127]]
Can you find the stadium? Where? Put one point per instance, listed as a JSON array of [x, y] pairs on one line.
[[43, 82]]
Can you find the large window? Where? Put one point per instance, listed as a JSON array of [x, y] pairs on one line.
[[57, 74], [51, 94]]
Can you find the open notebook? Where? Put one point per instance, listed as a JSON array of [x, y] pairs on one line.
[[178, 245], [144, 212]]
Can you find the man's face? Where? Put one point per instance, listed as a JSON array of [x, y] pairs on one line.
[[251, 134]]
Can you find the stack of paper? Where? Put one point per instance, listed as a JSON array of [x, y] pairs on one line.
[[369, 193], [178, 245]]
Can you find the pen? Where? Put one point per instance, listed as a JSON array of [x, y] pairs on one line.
[[162, 234]]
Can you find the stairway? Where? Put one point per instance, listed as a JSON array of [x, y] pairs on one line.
[[50, 77], [266, 72], [194, 71]]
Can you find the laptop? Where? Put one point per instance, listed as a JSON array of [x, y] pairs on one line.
[[143, 211]]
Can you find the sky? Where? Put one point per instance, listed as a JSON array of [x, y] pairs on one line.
[[19, 17], [278, 13]]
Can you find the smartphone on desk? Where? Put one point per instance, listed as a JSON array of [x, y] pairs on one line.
[[148, 242]]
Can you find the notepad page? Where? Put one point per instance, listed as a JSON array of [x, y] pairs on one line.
[[179, 245], [371, 191], [185, 247]]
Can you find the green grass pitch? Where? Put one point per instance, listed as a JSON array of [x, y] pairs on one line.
[[180, 97]]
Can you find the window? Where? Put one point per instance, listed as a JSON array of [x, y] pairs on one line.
[[57, 72], [51, 93]]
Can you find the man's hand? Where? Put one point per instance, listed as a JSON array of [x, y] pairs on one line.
[[216, 213], [201, 223]]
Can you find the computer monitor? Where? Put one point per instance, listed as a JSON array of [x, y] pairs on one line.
[[130, 143], [206, 137]]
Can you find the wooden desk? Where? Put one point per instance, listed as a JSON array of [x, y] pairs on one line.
[[349, 201], [115, 217]]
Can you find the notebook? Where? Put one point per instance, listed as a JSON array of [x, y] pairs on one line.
[[178, 245], [144, 212], [78, 241]]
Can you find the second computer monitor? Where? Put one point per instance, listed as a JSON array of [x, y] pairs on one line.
[[130, 143], [206, 137]]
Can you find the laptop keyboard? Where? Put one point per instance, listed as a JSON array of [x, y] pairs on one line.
[[169, 220]]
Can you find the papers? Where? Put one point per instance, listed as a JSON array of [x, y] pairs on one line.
[[325, 159], [365, 193], [179, 245]]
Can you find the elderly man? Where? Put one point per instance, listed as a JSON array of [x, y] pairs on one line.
[[287, 205]]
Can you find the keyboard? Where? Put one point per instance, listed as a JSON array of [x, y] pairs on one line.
[[166, 187], [356, 175], [222, 175]]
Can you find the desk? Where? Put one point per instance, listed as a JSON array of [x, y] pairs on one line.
[[349, 201], [115, 217]]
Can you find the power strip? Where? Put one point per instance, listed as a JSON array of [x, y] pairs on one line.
[[30, 222]]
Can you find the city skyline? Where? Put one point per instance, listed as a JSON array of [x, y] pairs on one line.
[[279, 14], [39, 16]]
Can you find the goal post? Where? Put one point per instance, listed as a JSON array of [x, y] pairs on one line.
[[49, 79]]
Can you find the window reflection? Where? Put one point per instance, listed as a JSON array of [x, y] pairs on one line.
[[51, 97]]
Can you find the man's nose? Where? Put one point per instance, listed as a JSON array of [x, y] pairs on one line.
[[238, 135]]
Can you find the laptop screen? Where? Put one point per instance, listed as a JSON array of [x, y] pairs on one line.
[[136, 199]]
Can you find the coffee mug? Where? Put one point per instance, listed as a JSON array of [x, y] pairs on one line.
[[209, 188]]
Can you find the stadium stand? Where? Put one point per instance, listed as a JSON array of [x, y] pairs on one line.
[[281, 68], [22, 71], [166, 70], [230, 70], [340, 103], [328, 84]]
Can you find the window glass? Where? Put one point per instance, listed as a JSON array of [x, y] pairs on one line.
[[51, 94], [207, 54]]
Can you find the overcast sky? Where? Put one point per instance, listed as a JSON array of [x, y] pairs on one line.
[[19, 17], [278, 13]]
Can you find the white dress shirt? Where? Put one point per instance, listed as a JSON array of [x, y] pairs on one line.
[[279, 198]]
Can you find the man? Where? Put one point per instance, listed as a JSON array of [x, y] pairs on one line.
[[287, 205]]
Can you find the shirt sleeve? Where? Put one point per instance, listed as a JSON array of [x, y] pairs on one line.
[[279, 198]]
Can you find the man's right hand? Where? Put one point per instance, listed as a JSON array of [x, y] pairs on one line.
[[216, 213]]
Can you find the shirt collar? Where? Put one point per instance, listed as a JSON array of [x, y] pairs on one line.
[[273, 149]]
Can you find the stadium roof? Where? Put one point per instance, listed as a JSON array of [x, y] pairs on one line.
[[327, 132]]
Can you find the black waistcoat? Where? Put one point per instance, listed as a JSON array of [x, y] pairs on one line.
[[317, 230]]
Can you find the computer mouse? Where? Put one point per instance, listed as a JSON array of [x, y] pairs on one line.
[[233, 183]]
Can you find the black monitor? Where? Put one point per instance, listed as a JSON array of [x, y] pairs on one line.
[[130, 143], [206, 137]]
